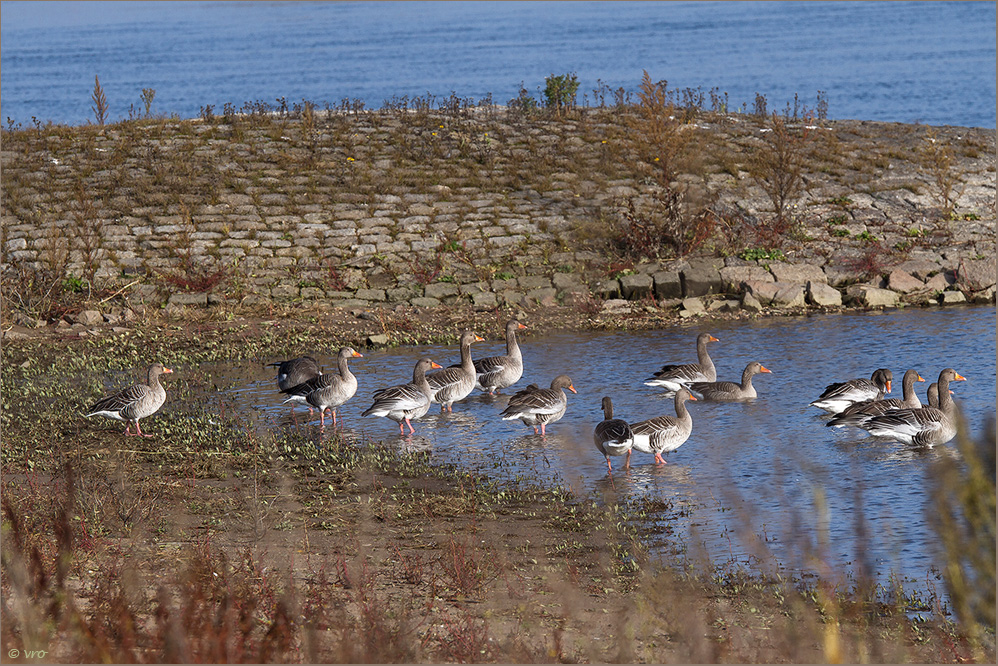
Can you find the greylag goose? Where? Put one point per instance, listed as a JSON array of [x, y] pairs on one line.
[[932, 394], [135, 402], [406, 401], [837, 397], [328, 391], [612, 436], [720, 391], [672, 377], [456, 382], [663, 434], [294, 372], [537, 406], [499, 372], [925, 426], [858, 413]]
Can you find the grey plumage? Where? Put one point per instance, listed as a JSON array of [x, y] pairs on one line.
[[837, 397], [721, 391], [672, 377], [135, 402], [663, 434], [613, 437], [405, 402], [327, 391], [538, 406]]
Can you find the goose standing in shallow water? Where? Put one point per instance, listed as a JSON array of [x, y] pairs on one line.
[[613, 437], [672, 377], [327, 391], [663, 434], [293, 373], [406, 401], [859, 413], [498, 372], [926, 426], [536, 406], [722, 391], [839, 396], [456, 382], [135, 402]]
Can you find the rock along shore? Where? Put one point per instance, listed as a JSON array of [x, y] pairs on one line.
[[489, 210]]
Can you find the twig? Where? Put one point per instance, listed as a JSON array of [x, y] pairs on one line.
[[134, 282]]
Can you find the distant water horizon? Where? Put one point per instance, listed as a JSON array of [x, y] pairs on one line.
[[911, 62]]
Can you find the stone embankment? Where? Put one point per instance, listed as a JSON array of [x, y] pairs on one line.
[[493, 209]]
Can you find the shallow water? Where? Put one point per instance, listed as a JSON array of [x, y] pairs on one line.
[[751, 473]]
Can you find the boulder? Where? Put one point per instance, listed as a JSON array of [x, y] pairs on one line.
[[546, 296], [953, 297], [92, 317], [566, 281], [839, 276], [976, 274], [608, 289], [763, 291], [750, 303], [733, 276], [789, 296], [872, 297], [903, 282], [668, 284], [701, 279], [693, 305], [821, 294], [636, 286], [920, 268], [616, 306], [797, 273], [939, 282], [440, 290]]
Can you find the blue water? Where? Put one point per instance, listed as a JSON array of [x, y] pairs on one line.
[[768, 469], [929, 62]]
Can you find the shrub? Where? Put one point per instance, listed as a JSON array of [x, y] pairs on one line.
[[560, 91]]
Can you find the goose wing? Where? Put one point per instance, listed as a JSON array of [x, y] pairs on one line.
[[121, 400]]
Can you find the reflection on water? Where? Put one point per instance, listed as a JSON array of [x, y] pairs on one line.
[[756, 480]]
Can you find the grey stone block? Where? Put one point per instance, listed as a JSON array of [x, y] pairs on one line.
[[425, 302], [197, 299], [903, 282], [872, 297], [733, 276], [953, 297], [608, 289], [750, 303], [977, 274], [797, 273], [693, 305], [821, 294], [701, 279], [765, 292], [668, 284], [637, 286], [565, 281], [440, 290], [368, 294], [789, 296]]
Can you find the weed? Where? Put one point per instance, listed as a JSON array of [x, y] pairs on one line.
[[778, 167], [938, 158], [560, 91], [100, 103], [757, 254]]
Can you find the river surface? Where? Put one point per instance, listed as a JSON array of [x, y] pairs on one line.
[[760, 484], [929, 62]]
